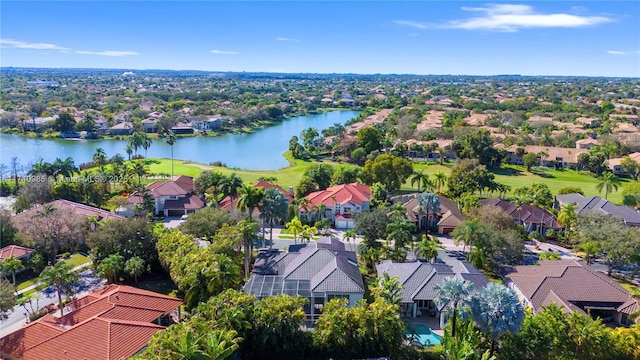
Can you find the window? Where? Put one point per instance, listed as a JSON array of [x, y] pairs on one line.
[[346, 210]]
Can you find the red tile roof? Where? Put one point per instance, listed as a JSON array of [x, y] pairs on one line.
[[15, 251], [115, 321], [76, 208], [341, 194]]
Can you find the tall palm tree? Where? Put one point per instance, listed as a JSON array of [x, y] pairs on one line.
[[42, 167], [230, 187], [420, 178], [390, 289], [226, 274], [61, 276], [608, 182], [440, 179], [249, 198], [400, 232], [452, 293], [134, 267], [590, 248], [428, 203], [100, 157], [272, 210], [469, 232], [11, 265], [129, 150], [248, 229], [171, 140], [496, 309], [146, 143], [111, 267], [350, 235], [140, 169], [214, 186]]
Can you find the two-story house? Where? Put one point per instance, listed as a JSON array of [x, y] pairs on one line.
[[338, 203]]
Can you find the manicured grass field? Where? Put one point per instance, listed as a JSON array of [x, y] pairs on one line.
[[512, 175], [517, 176], [77, 260]]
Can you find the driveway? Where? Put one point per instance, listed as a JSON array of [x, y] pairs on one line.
[[171, 222]]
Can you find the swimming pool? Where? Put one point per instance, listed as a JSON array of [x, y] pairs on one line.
[[422, 334]]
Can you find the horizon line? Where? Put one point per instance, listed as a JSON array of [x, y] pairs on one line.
[[315, 73]]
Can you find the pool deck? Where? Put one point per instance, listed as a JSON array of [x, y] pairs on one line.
[[431, 322]]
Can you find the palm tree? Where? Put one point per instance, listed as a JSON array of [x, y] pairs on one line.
[[609, 182], [295, 227], [428, 249], [140, 169], [469, 232], [308, 232], [496, 310], [146, 143], [230, 187], [220, 344], [567, 216], [400, 232], [441, 153], [428, 203], [61, 276], [226, 274], [250, 197], [452, 292], [247, 228], [420, 178], [111, 266], [129, 150], [590, 248], [100, 157], [273, 209], [134, 267], [389, 288], [171, 140], [215, 183], [440, 179], [11, 265], [350, 235]]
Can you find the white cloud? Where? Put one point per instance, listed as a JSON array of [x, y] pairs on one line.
[[616, 52], [109, 53], [409, 23], [222, 52], [288, 39], [511, 18], [27, 45]]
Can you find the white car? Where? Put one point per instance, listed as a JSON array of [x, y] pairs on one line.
[[183, 219]]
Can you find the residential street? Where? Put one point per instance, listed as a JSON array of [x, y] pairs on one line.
[[48, 296]]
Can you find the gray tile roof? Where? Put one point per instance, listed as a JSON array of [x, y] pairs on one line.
[[596, 203]]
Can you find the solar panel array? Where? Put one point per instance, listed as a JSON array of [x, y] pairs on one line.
[[270, 285]]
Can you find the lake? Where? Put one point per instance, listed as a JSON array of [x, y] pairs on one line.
[[261, 150]]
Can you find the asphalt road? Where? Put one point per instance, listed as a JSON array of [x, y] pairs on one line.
[[46, 297]]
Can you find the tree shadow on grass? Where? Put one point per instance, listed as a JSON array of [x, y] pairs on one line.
[[506, 171], [543, 174]]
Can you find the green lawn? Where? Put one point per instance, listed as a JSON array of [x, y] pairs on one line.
[[517, 176], [27, 283], [77, 260]]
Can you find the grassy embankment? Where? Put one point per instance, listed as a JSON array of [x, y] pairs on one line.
[[512, 175]]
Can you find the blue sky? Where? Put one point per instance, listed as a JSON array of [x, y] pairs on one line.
[[592, 38]]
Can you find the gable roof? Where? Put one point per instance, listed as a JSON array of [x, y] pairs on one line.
[[596, 203], [419, 279], [570, 282], [450, 214], [322, 266], [180, 185], [74, 207], [14, 251], [115, 320], [524, 213], [341, 194]]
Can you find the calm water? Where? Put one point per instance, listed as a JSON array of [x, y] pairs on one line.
[[261, 150]]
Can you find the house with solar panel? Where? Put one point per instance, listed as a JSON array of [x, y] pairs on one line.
[[318, 271], [419, 279]]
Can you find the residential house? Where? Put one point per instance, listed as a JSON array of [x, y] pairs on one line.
[[615, 164], [590, 122], [111, 323], [174, 197], [149, 125], [213, 123], [225, 203], [587, 143], [573, 286], [559, 157], [18, 252], [318, 271], [182, 128], [532, 217], [123, 128], [596, 203], [419, 279], [446, 219], [338, 203], [31, 124], [86, 211]]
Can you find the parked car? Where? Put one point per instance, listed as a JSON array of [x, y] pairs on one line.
[[183, 219]]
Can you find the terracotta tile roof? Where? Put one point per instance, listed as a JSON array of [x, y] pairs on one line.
[[15, 251], [342, 194], [115, 321], [267, 185], [569, 280], [524, 213], [568, 155]]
